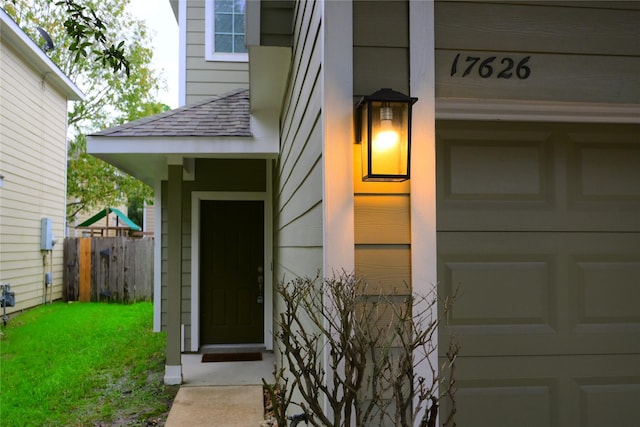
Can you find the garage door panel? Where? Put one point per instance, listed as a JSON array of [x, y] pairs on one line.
[[521, 403], [609, 402], [492, 170], [525, 283], [605, 291], [519, 177], [541, 293], [539, 240], [606, 172], [547, 391]]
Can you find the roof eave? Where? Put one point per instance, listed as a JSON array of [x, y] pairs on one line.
[[14, 36]]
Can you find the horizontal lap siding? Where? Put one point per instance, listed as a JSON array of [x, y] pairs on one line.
[[205, 79], [579, 51], [299, 175], [380, 46], [382, 222], [33, 124]]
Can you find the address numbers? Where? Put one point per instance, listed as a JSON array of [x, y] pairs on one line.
[[492, 66]]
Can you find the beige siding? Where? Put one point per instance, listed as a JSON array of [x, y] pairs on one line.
[[382, 221], [298, 175], [578, 51], [380, 46], [205, 79], [33, 123], [211, 175]]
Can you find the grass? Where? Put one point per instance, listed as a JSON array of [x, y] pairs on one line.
[[82, 364]]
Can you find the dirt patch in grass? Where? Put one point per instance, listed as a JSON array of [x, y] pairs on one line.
[[131, 402]]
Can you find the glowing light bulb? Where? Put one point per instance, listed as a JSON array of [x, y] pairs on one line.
[[387, 137]]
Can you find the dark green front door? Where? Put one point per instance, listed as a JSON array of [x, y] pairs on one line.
[[231, 272]]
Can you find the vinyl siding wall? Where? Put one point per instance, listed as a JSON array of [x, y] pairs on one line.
[[211, 175], [204, 79], [579, 51], [382, 220], [298, 174], [33, 124]]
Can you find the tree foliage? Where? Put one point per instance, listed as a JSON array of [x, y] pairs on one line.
[[105, 51], [87, 30]]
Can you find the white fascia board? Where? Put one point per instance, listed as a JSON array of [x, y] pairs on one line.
[[188, 147], [538, 111], [11, 33], [182, 53]]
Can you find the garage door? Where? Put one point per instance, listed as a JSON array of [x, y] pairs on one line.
[[539, 230]]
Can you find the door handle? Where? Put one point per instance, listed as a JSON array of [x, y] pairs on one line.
[[260, 299]]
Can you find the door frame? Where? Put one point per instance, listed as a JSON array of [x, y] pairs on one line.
[[265, 197]]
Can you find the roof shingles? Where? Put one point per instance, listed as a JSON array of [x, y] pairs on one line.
[[224, 115]]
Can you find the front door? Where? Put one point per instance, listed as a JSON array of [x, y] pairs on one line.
[[231, 272]]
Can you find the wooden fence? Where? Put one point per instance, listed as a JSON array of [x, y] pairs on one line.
[[118, 269]]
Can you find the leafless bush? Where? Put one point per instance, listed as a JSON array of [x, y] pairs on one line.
[[360, 353]]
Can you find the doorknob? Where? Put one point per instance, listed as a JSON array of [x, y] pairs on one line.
[[260, 299]]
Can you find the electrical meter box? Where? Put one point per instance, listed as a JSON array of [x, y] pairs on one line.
[[46, 235]]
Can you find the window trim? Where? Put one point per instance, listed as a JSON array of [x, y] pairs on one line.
[[209, 45]]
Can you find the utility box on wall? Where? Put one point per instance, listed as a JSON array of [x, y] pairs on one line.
[[46, 235]]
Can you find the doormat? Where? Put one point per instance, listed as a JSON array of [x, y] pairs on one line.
[[231, 357]]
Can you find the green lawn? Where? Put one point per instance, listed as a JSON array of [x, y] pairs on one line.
[[82, 364]]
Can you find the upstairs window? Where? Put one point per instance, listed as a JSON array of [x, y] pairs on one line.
[[225, 30]]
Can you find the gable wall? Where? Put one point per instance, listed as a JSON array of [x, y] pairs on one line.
[[204, 79], [33, 124]]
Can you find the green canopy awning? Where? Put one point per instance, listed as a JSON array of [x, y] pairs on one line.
[[97, 217]]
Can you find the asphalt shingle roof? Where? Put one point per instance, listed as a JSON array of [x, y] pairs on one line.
[[224, 115]]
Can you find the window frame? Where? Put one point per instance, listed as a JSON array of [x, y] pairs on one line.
[[209, 41]]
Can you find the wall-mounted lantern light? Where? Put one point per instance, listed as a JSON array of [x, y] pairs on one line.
[[383, 128]]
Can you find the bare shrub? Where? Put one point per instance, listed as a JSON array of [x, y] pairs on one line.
[[360, 352]]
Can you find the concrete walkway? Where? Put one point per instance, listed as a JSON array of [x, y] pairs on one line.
[[224, 406], [222, 394]]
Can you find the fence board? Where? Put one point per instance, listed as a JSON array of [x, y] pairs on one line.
[[71, 274], [120, 269], [84, 262]]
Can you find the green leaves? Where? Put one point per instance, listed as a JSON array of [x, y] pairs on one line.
[[106, 52], [82, 25]]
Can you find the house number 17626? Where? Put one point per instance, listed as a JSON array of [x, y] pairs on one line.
[[492, 66]]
